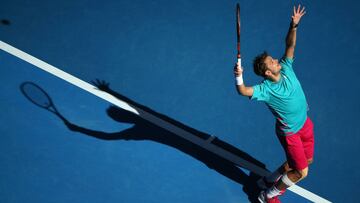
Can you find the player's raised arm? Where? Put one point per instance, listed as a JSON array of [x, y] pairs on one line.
[[291, 35], [240, 86]]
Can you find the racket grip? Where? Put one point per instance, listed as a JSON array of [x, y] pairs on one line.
[[239, 61]]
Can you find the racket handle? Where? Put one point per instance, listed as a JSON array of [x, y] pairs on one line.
[[239, 61]]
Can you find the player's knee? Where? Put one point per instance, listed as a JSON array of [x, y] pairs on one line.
[[299, 174], [303, 173]]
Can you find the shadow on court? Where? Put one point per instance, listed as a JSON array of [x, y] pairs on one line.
[[5, 22], [144, 130]]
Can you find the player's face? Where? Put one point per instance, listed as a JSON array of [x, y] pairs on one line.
[[272, 64]]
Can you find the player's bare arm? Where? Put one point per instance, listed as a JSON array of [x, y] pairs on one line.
[[291, 36], [240, 86]]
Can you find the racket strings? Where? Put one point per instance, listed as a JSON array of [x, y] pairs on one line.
[[36, 95]]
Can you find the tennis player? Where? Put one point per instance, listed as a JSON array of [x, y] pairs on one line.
[[282, 93]]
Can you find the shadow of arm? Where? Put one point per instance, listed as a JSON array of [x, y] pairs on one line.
[[98, 134]]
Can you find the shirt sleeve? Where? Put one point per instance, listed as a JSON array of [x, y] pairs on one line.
[[260, 93]]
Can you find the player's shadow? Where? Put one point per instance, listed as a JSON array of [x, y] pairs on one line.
[[144, 130]]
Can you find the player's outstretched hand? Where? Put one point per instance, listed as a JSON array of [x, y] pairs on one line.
[[298, 13]]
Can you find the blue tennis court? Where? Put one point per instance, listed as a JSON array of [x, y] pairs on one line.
[[174, 60]]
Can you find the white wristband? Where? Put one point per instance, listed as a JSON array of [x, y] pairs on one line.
[[239, 80]]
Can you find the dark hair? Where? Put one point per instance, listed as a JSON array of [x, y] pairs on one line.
[[259, 65]]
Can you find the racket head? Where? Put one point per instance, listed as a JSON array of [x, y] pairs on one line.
[[36, 95]]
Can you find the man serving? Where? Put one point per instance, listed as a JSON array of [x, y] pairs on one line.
[[282, 93]]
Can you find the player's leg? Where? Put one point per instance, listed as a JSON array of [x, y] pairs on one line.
[[297, 165], [283, 169], [287, 180], [307, 138], [291, 178], [269, 180], [299, 150]]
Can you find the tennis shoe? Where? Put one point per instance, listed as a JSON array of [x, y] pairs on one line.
[[263, 198]]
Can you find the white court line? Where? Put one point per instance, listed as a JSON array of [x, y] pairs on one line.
[[153, 119]]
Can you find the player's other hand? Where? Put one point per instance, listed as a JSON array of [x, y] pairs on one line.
[[238, 70], [298, 13]]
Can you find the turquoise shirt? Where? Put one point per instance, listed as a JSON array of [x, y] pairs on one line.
[[285, 98]]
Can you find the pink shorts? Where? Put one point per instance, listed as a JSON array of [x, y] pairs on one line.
[[299, 147]]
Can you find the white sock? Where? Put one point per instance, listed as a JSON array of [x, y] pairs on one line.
[[272, 192], [274, 176], [286, 180]]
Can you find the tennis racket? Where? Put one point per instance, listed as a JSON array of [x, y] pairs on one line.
[[238, 33], [36, 95]]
